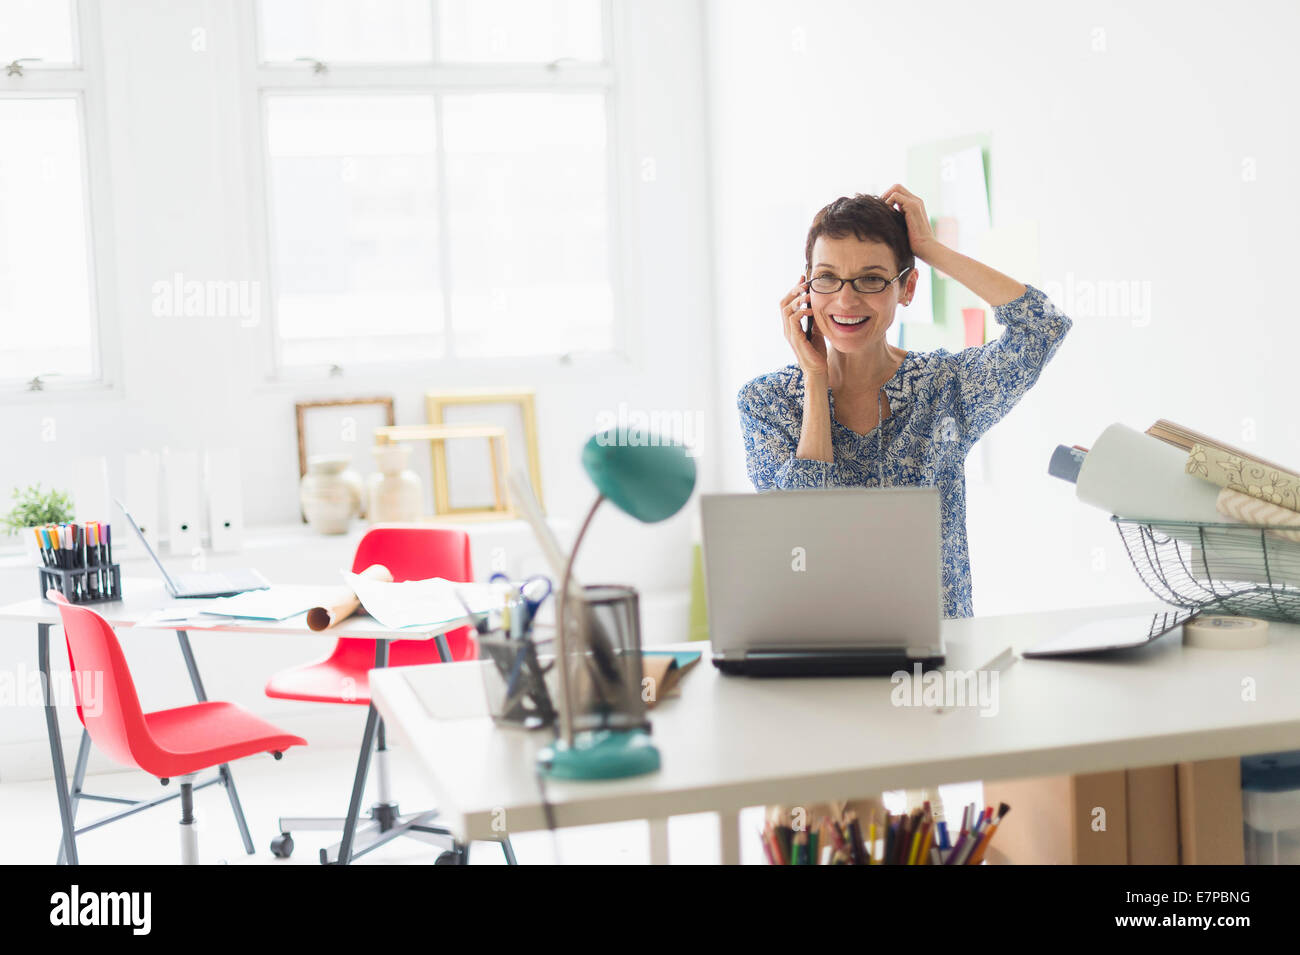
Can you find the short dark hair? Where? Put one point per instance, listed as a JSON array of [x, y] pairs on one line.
[[868, 218]]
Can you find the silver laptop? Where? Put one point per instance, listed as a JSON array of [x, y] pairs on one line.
[[210, 584], [823, 582]]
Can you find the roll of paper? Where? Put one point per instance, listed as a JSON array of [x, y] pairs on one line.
[[1251, 510], [1133, 475], [343, 602]]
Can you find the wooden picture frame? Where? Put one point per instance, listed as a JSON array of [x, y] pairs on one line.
[[455, 474], [316, 419]]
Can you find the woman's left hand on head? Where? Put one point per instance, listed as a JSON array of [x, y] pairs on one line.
[[919, 234]]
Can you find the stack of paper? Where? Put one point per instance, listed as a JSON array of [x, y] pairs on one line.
[[417, 604]]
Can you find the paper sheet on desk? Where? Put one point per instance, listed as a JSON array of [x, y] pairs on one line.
[[413, 604], [275, 603], [168, 618]]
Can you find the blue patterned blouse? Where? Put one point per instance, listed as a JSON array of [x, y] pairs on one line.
[[941, 403]]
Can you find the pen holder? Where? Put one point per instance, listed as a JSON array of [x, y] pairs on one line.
[[605, 676], [515, 684], [84, 585]]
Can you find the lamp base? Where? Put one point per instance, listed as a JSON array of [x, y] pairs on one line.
[[600, 754]]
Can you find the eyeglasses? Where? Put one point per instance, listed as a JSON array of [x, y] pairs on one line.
[[866, 284]]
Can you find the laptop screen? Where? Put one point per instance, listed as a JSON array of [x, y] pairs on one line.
[[171, 586]]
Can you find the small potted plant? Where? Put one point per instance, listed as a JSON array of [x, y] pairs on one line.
[[33, 507]]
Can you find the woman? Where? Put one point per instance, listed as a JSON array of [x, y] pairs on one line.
[[854, 411]]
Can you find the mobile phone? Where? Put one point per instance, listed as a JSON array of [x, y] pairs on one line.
[[807, 332]]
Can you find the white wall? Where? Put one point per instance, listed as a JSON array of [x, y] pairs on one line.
[[1130, 161], [179, 165], [181, 194]]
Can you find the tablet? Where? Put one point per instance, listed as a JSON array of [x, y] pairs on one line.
[[1114, 633]]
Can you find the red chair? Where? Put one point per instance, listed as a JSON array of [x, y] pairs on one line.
[[168, 744], [409, 553]]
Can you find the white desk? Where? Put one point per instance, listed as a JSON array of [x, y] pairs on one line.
[[142, 597], [728, 742]]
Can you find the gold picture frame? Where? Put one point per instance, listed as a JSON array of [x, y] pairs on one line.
[[515, 411]]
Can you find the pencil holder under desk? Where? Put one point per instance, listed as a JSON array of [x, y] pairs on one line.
[[84, 585], [1245, 570]]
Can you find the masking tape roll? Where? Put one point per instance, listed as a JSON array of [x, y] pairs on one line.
[[1221, 632]]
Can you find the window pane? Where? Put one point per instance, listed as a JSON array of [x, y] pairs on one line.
[[36, 28], [337, 31], [354, 225], [526, 192], [45, 304], [519, 31]]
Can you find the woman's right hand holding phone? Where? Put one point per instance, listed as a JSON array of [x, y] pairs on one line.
[[810, 354]]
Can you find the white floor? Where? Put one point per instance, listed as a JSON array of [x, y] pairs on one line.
[[317, 782], [308, 782]]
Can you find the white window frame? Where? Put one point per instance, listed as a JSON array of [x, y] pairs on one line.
[[81, 81], [261, 79]]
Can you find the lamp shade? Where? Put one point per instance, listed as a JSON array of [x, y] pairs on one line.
[[648, 481]]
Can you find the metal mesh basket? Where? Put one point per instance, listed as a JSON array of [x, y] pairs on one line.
[[1246, 570]]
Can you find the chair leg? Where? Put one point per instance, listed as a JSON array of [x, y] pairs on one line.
[[384, 822], [228, 780], [189, 829], [509, 851]]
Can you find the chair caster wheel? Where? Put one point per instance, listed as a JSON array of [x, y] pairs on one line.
[[282, 846], [450, 857]]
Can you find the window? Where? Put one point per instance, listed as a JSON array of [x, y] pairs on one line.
[[47, 302], [437, 178]]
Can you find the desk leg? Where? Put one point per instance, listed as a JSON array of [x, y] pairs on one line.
[[227, 780], [358, 788], [729, 837], [78, 779], [373, 730], [56, 744], [659, 842]]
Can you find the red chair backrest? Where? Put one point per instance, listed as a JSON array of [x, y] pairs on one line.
[[414, 553], [107, 702]]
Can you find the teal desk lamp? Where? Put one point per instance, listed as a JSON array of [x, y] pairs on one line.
[[650, 482]]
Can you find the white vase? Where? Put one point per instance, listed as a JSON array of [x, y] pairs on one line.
[[328, 500], [394, 493], [357, 485]]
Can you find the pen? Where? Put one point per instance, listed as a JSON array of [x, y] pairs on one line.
[[800, 856], [972, 838], [777, 851], [927, 838], [954, 853], [904, 842], [781, 836], [856, 849], [928, 847], [978, 855]]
